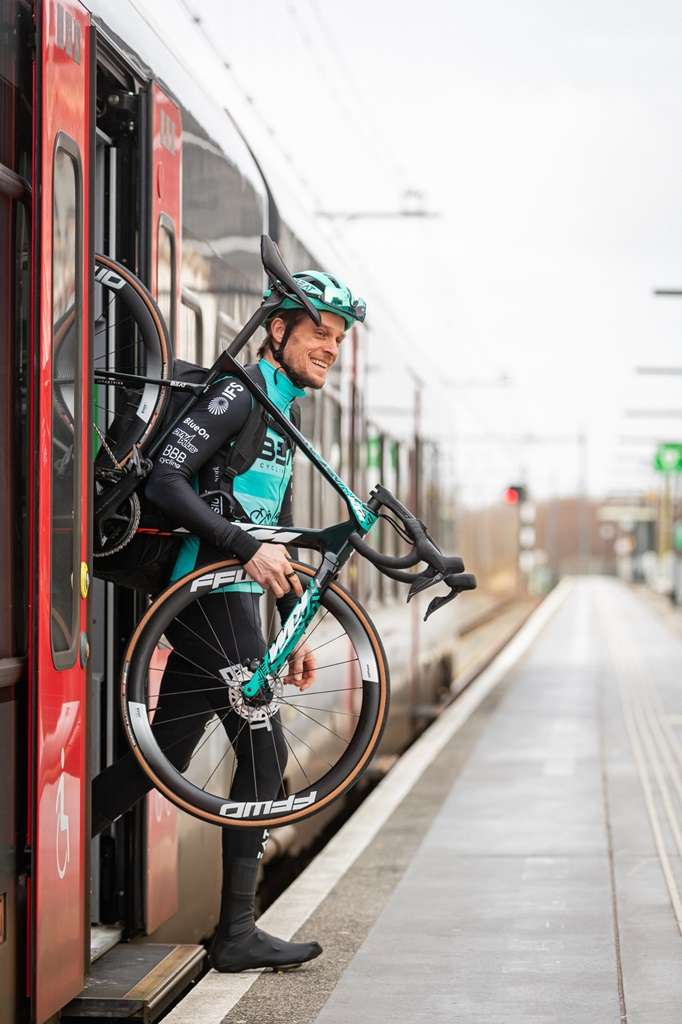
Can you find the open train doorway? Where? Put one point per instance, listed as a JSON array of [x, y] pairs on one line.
[[118, 174]]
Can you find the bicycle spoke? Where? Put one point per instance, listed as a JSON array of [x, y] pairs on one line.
[[274, 747], [221, 721], [318, 668], [253, 764], [327, 642], [220, 652], [216, 767], [313, 649], [234, 636], [186, 675], [214, 689], [328, 711], [191, 714], [202, 668], [236, 756], [182, 693], [306, 638], [107, 306], [288, 729], [210, 626], [181, 739], [294, 753], [339, 689], [344, 739], [110, 327]]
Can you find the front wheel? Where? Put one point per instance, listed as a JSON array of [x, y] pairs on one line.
[[222, 759]]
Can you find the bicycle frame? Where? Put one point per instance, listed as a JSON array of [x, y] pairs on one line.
[[336, 547]]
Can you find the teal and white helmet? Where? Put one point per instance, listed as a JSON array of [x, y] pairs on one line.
[[325, 293]]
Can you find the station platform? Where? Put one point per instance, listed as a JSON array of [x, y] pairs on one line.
[[521, 863]]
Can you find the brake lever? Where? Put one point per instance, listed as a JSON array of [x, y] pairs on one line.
[[438, 602], [457, 582], [429, 577], [423, 580]]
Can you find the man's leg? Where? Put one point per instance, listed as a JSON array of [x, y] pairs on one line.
[[239, 944], [261, 756]]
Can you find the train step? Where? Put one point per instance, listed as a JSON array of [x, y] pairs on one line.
[[136, 982]]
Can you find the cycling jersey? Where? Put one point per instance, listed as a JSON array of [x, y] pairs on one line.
[[189, 465]]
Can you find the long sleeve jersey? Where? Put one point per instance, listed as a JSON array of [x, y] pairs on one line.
[[189, 465]]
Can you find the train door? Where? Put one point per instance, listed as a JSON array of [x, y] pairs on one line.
[[60, 491], [136, 167], [16, 101], [161, 817], [115, 182]]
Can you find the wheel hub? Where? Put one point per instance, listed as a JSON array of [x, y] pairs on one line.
[[258, 709]]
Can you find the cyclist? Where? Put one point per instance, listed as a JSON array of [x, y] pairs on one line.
[[296, 354]]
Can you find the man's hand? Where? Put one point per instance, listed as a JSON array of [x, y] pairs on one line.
[[301, 670], [272, 569]]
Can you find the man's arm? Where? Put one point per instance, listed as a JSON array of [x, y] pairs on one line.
[[218, 416]]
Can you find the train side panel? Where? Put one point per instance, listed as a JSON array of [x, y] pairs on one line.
[[161, 816], [61, 502]]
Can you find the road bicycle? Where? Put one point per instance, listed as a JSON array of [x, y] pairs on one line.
[[333, 728]]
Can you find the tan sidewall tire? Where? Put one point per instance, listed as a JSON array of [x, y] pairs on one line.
[[351, 778]]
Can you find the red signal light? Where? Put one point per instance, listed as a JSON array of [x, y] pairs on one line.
[[516, 494]]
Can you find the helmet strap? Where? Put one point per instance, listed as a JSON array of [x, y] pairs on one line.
[[279, 357]]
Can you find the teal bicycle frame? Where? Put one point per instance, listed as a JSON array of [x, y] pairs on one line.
[[334, 542]]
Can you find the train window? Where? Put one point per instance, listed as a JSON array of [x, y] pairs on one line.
[[226, 330], [14, 314], [66, 405], [165, 275], [306, 479], [192, 330], [19, 453], [332, 507]]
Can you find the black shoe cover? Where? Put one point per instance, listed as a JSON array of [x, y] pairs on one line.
[[258, 949]]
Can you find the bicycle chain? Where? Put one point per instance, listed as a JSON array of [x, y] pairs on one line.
[[107, 448]]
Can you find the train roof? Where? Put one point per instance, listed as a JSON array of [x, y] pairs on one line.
[[154, 41]]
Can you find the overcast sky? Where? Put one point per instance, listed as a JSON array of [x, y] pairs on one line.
[[547, 136]]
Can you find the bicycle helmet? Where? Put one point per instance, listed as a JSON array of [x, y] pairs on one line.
[[325, 293]]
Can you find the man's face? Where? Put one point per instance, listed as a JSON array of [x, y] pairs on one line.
[[311, 350]]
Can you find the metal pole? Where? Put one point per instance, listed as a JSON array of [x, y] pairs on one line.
[[584, 531]]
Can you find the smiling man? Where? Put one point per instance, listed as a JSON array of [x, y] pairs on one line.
[[198, 460]]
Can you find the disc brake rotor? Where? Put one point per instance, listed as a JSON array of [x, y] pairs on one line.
[[256, 714]]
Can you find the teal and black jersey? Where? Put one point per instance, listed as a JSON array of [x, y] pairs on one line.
[[191, 464]]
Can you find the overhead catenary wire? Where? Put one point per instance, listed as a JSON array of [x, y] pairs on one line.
[[362, 97], [331, 239], [428, 368], [357, 121], [249, 98]]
